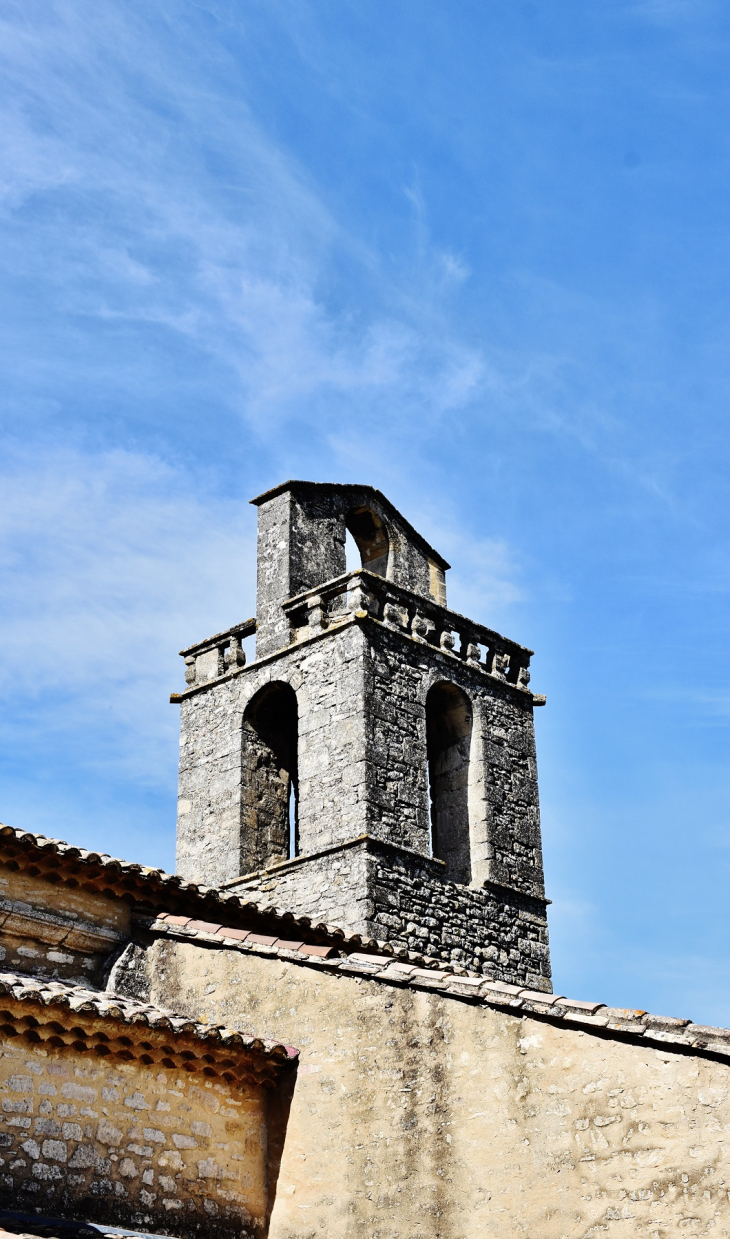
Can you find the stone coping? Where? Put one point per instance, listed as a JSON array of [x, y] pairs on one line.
[[245, 629], [373, 843], [31, 1013], [661, 1031]]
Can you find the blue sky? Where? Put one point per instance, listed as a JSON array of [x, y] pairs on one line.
[[476, 254]]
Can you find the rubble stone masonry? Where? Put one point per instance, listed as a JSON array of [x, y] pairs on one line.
[[120, 1142], [386, 893]]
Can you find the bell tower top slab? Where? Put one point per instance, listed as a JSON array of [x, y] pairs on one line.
[[301, 544]]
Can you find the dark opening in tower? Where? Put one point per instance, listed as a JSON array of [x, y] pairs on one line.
[[269, 778], [372, 539], [448, 741]]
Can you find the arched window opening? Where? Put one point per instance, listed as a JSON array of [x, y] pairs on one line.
[[448, 741], [372, 539], [270, 801]]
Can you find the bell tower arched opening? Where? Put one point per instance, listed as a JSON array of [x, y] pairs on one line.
[[448, 744], [269, 828], [371, 537]]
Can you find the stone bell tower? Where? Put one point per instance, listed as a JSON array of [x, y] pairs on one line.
[[374, 766]]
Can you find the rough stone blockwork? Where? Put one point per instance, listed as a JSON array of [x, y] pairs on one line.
[[122, 1112], [404, 899], [116, 1142], [493, 930], [504, 823], [371, 710]]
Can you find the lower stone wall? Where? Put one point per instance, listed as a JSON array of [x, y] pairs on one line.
[[137, 1147], [388, 893], [417, 1115]]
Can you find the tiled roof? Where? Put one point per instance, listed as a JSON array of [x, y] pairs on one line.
[[99, 1004], [666, 1030], [154, 889], [293, 937]]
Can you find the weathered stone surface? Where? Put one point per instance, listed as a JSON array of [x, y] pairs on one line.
[[301, 544], [421, 1114], [369, 691], [442, 1091], [130, 1144], [429, 1104], [383, 892], [67, 935]]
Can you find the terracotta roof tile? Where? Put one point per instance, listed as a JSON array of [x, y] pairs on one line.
[[103, 1005]]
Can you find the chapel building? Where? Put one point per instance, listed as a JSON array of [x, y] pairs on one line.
[[337, 1017]]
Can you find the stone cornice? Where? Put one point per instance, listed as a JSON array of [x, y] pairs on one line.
[[515, 693]]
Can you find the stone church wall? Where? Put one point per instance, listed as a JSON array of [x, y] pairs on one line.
[[328, 679], [420, 1114], [504, 832], [63, 933], [403, 898], [128, 1144]]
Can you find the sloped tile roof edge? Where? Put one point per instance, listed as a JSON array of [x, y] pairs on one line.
[[394, 965], [148, 886], [101, 1004], [660, 1031]]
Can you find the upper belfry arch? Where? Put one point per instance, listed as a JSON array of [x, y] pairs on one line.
[[301, 544], [371, 535]]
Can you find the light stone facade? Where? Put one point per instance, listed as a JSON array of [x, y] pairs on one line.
[[424, 1100], [118, 1141], [67, 935], [423, 1114], [122, 1111]]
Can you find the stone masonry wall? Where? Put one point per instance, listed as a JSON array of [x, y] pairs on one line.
[[390, 895], [301, 544], [332, 888], [117, 1142], [494, 930], [505, 838], [273, 574], [327, 676], [65, 934], [361, 692], [417, 1115]]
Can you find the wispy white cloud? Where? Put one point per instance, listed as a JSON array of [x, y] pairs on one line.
[[489, 578], [239, 269], [110, 565], [112, 122]]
